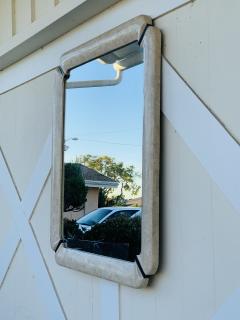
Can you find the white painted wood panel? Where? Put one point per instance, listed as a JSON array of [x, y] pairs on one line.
[[200, 42], [21, 209], [199, 278], [19, 294], [43, 8], [30, 37], [75, 290], [226, 248], [6, 226], [205, 136], [230, 309], [28, 115], [202, 267], [33, 253], [21, 15], [5, 21], [32, 66], [109, 300], [9, 244], [184, 287]]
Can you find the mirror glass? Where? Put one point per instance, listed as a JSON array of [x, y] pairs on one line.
[[103, 131]]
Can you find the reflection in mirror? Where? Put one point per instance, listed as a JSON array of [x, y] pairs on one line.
[[103, 155]]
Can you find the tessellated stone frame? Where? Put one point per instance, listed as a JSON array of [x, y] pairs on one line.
[[135, 274]]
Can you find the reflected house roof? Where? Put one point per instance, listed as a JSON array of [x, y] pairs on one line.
[[93, 178]]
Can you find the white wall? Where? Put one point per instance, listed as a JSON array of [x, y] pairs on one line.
[[92, 200], [90, 205], [200, 227]]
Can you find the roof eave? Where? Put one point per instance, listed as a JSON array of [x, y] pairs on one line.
[[101, 184]]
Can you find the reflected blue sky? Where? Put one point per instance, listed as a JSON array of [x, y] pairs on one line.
[[107, 120]]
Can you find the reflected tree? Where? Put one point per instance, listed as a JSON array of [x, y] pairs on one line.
[[125, 175], [75, 191]]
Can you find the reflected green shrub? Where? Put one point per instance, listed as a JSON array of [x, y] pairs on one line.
[[119, 230], [70, 229], [75, 191]]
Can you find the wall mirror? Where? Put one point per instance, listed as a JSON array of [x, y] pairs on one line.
[[102, 171], [105, 197]]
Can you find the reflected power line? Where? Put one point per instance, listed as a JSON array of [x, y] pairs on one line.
[[108, 142]]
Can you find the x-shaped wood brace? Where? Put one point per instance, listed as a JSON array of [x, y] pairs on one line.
[[22, 230]]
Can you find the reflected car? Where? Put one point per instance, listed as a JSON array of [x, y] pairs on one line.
[[100, 215]]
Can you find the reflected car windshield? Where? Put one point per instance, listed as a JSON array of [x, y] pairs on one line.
[[94, 217]]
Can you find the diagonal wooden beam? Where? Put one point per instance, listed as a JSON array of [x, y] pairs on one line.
[[209, 141], [21, 212]]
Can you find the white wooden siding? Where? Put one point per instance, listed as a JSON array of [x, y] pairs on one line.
[[199, 277], [21, 13], [35, 23], [208, 31], [5, 21]]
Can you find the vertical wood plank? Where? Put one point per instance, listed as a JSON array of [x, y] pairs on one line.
[[109, 300], [13, 11], [43, 8], [33, 11], [22, 13], [5, 21]]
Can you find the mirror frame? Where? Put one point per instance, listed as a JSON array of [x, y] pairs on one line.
[[134, 274]]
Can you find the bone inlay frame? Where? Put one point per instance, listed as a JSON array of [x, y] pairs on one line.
[[135, 274]]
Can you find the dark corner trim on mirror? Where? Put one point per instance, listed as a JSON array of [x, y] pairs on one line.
[[143, 33], [145, 276], [59, 243]]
